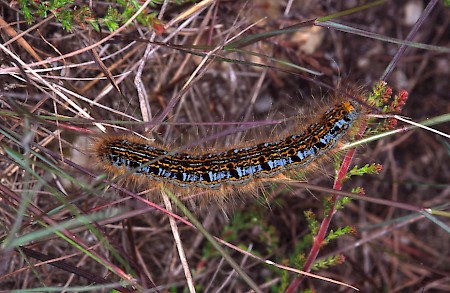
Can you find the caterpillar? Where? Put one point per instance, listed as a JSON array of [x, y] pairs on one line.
[[233, 167]]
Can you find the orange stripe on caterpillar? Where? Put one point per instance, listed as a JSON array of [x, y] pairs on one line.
[[236, 166]]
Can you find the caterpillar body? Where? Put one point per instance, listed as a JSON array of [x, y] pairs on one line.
[[233, 167]]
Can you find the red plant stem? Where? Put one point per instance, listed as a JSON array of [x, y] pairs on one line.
[[321, 234]]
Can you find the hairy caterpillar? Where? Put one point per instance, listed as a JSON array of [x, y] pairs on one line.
[[233, 167]]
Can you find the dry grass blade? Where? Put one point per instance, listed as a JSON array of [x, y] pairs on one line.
[[176, 237]]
